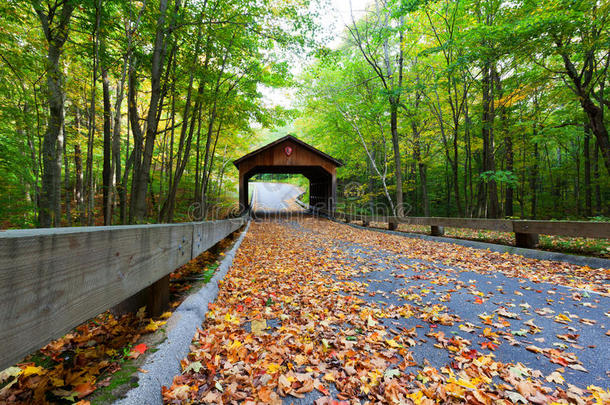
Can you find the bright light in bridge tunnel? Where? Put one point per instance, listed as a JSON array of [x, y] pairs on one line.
[[278, 192]]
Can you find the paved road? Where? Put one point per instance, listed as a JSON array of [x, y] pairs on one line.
[[381, 317], [275, 197], [394, 280]]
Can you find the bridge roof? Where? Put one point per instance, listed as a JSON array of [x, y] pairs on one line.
[[295, 140]]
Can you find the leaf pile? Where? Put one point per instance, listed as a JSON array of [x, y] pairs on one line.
[[72, 367], [295, 318]]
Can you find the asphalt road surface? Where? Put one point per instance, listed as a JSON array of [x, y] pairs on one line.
[[453, 287], [358, 310], [270, 198]]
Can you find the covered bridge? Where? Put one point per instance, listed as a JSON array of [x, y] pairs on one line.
[[292, 156]]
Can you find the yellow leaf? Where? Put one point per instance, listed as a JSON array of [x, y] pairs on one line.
[[31, 370], [154, 325], [561, 318], [329, 377], [259, 326], [273, 368], [392, 343], [466, 384]]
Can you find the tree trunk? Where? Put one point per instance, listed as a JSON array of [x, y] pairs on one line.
[[397, 165], [50, 199], [488, 140], [141, 175], [107, 166], [184, 149], [79, 192], [598, 192], [424, 188], [67, 185], [587, 158], [534, 180], [55, 26], [596, 121], [593, 112]]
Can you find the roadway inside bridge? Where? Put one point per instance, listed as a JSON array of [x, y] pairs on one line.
[[275, 198]]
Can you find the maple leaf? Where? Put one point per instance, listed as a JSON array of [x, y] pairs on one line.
[[555, 377], [465, 328], [503, 312], [489, 345], [515, 397], [258, 326], [9, 372], [195, 366], [84, 389], [138, 350]]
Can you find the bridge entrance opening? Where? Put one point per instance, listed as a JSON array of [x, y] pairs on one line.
[[289, 155], [278, 192]]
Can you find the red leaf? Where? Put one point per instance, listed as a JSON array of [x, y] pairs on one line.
[[489, 345], [141, 348]]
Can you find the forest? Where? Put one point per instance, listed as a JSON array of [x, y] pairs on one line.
[[470, 108], [123, 112]]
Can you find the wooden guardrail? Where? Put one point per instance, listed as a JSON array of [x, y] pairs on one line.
[[526, 232], [51, 280]]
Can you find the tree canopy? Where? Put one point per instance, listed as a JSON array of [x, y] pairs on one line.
[[121, 111]]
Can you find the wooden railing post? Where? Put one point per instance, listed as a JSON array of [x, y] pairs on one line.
[[437, 230], [526, 240], [158, 297]]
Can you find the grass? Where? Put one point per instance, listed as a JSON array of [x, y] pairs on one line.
[[121, 382]]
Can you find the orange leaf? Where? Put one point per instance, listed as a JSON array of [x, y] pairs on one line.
[[84, 389]]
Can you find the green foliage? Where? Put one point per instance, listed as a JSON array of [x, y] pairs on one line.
[[229, 48], [535, 139], [500, 176]]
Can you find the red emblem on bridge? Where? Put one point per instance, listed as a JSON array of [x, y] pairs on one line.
[[288, 150]]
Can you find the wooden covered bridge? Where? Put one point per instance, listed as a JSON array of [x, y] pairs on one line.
[[292, 156]]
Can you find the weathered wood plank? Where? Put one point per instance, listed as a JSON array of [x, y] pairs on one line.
[[564, 228], [51, 280], [207, 234], [501, 225]]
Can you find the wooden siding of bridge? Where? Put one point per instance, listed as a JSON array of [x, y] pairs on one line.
[[320, 169]]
